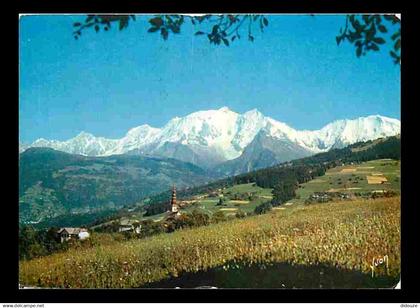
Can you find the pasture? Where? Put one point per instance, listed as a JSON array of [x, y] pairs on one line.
[[375, 175], [231, 203], [300, 243]]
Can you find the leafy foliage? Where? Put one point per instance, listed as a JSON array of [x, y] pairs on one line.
[[103, 22], [263, 208], [367, 33], [224, 28], [189, 220], [33, 243], [218, 216]]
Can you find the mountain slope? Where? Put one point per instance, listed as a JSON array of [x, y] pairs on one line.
[[384, 148], [263, 151], [213, 137], [53, 183]]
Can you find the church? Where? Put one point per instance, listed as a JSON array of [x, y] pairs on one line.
[[174, 209]]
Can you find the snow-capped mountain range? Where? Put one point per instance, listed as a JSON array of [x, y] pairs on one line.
[[212, 137]]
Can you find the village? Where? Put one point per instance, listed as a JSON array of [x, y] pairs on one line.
[[133, 226], [343, 183]]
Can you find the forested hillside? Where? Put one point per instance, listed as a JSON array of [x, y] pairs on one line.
[[285, 178], [55, 184]]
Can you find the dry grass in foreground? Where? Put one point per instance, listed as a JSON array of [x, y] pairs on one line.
[[346, 235]]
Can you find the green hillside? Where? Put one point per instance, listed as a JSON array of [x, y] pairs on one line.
[[300, 240], [284, 179], [58, 189], [57, 185], [329, 245], [352, 179], [242, 197]]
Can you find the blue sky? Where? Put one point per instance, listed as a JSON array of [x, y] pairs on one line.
[[106, 83]]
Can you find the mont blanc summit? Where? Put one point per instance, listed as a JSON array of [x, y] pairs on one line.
[[212, 137]]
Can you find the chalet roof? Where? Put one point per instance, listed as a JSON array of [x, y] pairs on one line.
[[72, 231], [122, 229], [126, 226]]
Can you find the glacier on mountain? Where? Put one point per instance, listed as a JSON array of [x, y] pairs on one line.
[[225, 134]]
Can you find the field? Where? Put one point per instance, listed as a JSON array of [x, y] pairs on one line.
[[364, 177], [336, 243], [231, 205]]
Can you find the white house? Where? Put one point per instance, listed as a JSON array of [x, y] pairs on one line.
[[66, 234]]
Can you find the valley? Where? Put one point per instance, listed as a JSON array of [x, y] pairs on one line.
[[55, 186], [207, 150], [251, 231], [349, 181]]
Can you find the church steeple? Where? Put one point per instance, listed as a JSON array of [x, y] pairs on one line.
[[174, 206]]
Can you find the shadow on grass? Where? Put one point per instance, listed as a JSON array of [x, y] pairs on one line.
[[280, 275]]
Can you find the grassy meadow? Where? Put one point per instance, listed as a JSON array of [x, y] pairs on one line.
[[348, 178], [209, 204], [353, 179], [345, 236]]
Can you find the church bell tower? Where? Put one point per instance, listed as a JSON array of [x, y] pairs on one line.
[[174, 206]]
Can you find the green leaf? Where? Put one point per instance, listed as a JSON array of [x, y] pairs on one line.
[[393, 54], [357, 26], [89, 18], [338, 39], [371, 33], [265, 21], [96, 28], [395, 35], [351, 36], [366, 18], [379, 40], [77, 24], [225, 41], [168, 19], [199, 33], [382, 29], [164, 33], [374, 47], [156, 21], [397, 45], [175, 29], [153, 29], [122, 25], [359, 51]]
